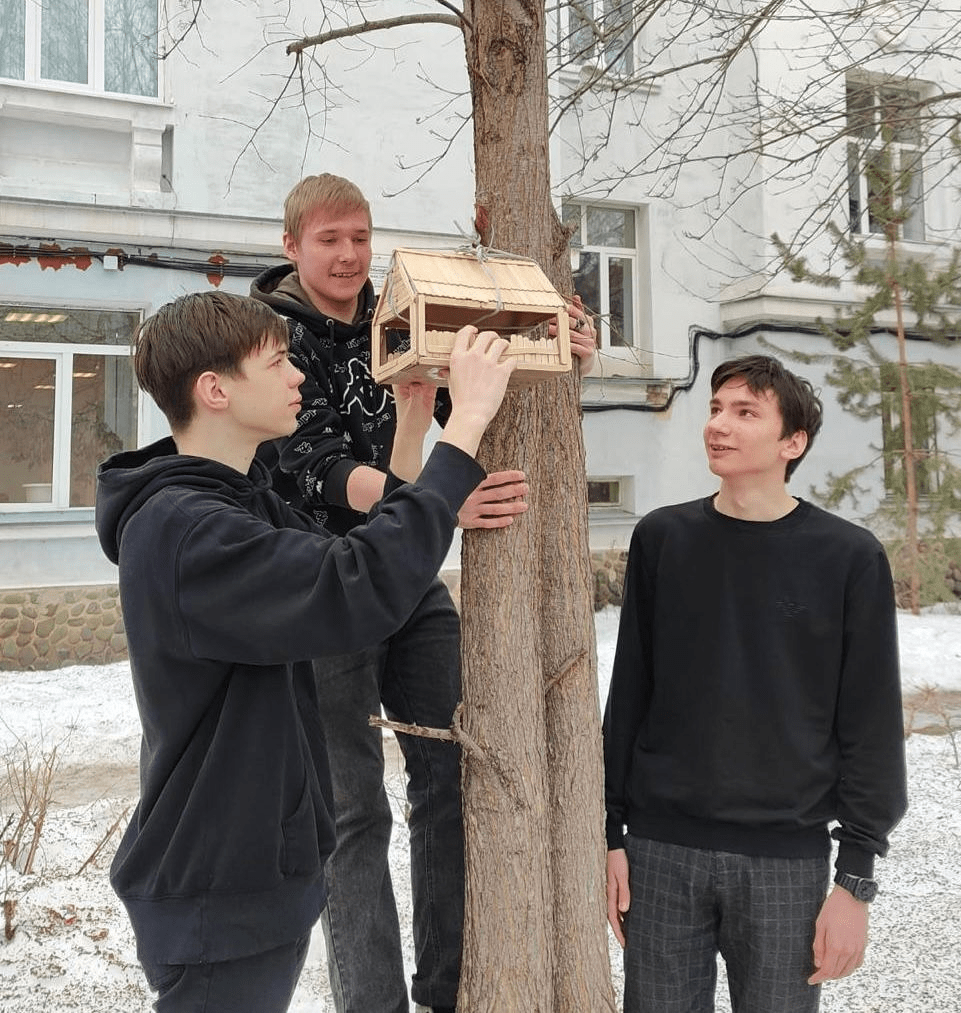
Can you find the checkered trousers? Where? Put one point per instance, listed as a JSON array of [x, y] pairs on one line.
[[688, 905]]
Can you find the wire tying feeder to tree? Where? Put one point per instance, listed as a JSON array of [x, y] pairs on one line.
[[428, 295]]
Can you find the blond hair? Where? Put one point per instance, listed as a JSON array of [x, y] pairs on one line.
[[335, 193]]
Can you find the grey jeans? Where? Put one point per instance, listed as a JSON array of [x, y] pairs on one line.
[[688, 905], [416, 676]]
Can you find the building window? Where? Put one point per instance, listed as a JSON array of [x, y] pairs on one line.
[[95, 45], [601, 33], [884, 158], [605, 493], [605, 241], [924, 429], [68, 399]]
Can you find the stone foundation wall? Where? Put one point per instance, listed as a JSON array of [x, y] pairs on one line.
[[45, 628], [609, 567], [51, 627]]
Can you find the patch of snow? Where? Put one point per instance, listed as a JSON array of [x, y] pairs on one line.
[[72, 948]]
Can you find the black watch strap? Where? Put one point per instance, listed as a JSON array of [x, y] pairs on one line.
[[860, 889]]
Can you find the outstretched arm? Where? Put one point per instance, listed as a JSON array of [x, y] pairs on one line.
[[365, 487], [414, 404]]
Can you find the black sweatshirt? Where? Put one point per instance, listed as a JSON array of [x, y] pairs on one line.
[[755, 695], [223, 587]]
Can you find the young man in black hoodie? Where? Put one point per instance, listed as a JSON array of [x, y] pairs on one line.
[[333, 468], [755, 701], [224, 588]]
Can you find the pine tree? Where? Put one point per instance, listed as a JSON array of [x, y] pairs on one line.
[[923, 483]]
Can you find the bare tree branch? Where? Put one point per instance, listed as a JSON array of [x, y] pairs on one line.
[[366, 27]]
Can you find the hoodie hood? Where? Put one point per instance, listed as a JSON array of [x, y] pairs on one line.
[[280, 288], [127, 480]]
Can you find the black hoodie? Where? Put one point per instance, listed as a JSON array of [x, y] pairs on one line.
[[346, 419], [223, 586]]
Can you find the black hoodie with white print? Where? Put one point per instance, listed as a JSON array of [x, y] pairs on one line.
[[346, 419]]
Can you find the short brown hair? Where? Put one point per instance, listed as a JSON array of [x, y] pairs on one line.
[[326, 190], [193, 334], [800, 407]]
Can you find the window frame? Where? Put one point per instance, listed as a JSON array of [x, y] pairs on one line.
[[592, 59], [63, 355], [611, 505], [629, 352], [96, 57], [863, 130]]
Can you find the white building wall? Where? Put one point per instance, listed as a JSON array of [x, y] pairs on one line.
[[184, 177]]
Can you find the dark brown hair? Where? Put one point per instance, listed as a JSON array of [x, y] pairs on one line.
[[800, 407], [202, 331]]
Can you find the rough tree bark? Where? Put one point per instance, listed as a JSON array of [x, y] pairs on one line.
[[535, 933]]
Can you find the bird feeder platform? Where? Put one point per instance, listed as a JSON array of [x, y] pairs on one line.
[[429, 295]]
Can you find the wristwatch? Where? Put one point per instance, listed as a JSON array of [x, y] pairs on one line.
[[860, 889]]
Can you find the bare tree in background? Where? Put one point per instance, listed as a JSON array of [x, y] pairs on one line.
[[689, 83]]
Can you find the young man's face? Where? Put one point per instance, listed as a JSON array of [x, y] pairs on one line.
[[743, 434], [265, 397], [332, 256]]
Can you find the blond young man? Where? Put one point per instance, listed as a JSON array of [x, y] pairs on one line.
[[225, 589]]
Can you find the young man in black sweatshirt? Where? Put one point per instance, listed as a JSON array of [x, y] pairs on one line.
[[224, 589], [754, 703]]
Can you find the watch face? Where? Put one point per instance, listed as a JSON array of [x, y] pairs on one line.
[[866, 890], [861, 889]]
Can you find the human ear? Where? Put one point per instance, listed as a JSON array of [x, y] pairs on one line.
[[794, 445], [290, 247], [209, 391]]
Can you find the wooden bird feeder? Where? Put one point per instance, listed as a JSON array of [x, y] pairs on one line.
[[429, 295]]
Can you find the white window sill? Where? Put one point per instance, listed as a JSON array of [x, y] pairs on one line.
[[63, 105], [67, 193], [77, 146], [614, 391], [576, 75], [934, 253]]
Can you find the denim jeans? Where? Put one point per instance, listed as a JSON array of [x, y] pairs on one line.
[[416, 677]]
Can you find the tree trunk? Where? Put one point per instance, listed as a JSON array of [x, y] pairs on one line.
[[535, 933], [907, 432]]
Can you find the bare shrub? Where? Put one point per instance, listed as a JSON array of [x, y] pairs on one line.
[[929, 700], [29, 786], [111, 830]]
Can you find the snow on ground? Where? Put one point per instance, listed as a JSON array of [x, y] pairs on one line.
[[72, 948]]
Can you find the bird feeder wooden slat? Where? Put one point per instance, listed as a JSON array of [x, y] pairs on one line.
[[428, 295]]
